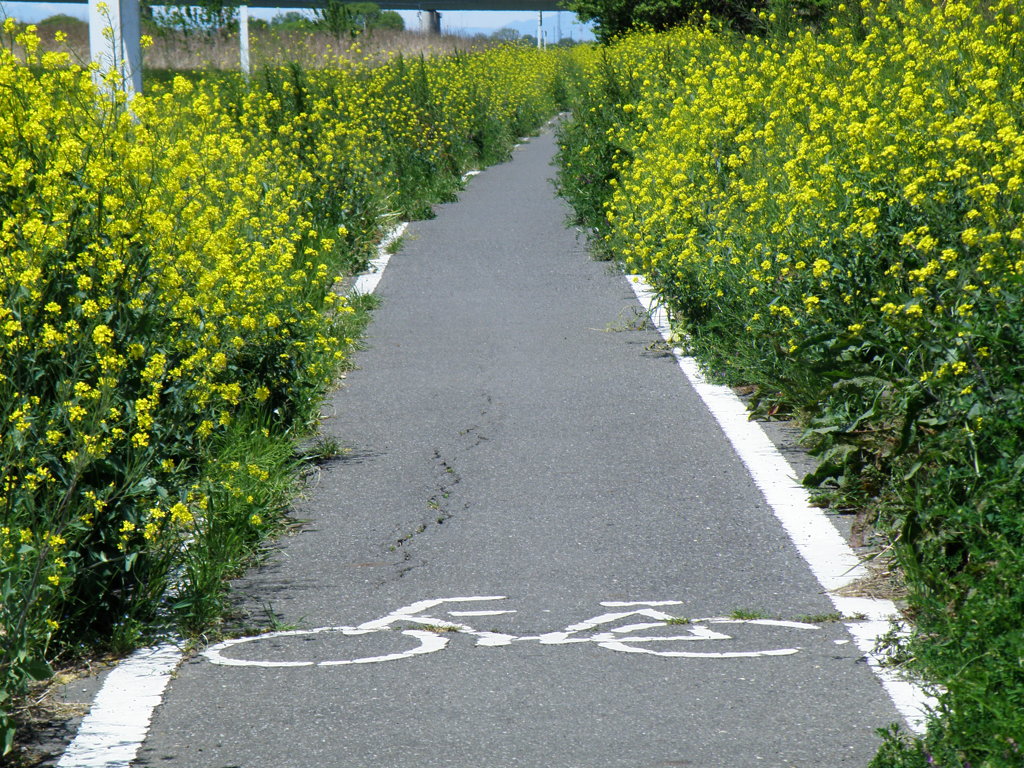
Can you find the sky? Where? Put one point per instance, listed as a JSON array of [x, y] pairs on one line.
[[467, 22]]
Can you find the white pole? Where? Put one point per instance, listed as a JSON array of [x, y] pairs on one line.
[[243, 39], [114, 32], [540, 29]]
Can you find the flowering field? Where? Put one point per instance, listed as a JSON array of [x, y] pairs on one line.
[[169, 318], [836, 219]]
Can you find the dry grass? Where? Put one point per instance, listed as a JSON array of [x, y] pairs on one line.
[[884, 580], [310, 48], [268, 46], [49, 715]]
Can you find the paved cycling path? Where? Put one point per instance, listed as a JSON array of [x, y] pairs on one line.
[[513, 435]]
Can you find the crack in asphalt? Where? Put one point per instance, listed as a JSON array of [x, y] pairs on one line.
[[440, 502]]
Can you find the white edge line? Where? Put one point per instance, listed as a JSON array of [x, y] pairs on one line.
[[113, 731], [367, 281], [831, 560]]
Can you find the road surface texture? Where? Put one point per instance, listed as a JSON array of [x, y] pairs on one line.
[[513, 431]]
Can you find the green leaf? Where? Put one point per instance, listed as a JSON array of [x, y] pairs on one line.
[[143, 486], [913, 470], [824, 430], [37, 669]]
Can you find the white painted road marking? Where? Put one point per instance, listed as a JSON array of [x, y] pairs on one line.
[[118, 721], [368, 280], [429, 642], [831, 560], [627, 638]]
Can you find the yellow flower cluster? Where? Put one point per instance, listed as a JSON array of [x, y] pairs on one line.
[[167, 263], [837, 217], [862, 183]]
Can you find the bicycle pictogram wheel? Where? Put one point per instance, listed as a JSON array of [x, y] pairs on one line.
[[631, 638], [429, 642]]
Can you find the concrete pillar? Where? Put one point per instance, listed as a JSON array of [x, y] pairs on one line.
[[243, 39], [114, 41], [430, 22]]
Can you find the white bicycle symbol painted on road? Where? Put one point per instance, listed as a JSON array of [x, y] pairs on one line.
[[634, 637]]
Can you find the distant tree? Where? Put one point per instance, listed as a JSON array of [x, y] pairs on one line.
[[204, 16], [342, 18], [71, 26], [291, 20], [334, 16], [390, 20], [505, 35], [62, 20], [613, 17], [364, 15], [528, 40]]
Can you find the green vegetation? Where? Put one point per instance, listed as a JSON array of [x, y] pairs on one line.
[[170, 318], [747, 615], [832, 209], [351, 18], [217, 17], [617, 17], [834, 217]]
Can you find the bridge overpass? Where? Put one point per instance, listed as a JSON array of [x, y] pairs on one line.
[[419, 5]]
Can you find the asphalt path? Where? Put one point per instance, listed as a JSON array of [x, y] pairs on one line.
[[515, 433]]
